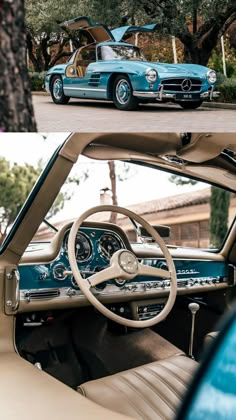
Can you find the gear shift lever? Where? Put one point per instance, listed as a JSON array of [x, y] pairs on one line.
[[193, 307]]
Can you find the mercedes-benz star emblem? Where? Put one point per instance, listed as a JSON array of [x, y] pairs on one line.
[[186, 85], [128, 262]]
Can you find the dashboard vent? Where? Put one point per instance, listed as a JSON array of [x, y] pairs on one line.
[[42, 294]]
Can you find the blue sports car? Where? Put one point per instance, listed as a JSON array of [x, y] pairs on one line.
[[107, 68]]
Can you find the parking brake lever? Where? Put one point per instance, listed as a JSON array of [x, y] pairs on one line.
[[193, 307]]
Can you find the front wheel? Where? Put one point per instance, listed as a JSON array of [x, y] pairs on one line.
[[190, 105], [123, 94], [57, 91]]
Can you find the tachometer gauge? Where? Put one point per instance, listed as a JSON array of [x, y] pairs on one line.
[[109, 244]]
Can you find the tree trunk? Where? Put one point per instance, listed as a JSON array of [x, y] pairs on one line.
[[16, 110], [112, 172], [195, 55]]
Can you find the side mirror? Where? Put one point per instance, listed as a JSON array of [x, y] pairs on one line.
[[213, 392], [164, 231]]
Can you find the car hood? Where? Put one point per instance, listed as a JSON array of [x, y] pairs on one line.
[[182, 69], [173, 70]]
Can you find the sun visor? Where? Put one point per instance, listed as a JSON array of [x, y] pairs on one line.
[[206, 146]]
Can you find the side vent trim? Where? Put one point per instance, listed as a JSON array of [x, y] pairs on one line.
[[41, 294]]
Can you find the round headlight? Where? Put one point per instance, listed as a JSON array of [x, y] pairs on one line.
[[151, 75], [211, 76]]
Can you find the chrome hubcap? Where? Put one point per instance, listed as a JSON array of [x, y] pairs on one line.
[[57, 89], [123, 91]]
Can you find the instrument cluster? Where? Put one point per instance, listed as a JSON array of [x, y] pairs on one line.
[[94, 248], [93, 243]]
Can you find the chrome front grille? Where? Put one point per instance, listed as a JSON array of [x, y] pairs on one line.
[[176, 84], [94, 79]]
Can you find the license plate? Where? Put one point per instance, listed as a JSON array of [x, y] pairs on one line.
[[187, 96]]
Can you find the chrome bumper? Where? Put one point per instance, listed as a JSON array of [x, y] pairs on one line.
[[162, 95], [210, 94], [146, 95]]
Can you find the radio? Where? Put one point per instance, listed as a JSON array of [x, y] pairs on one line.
[[149, 311]]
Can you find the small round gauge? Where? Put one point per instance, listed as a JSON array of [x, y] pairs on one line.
[[109, 244], [83, 247]]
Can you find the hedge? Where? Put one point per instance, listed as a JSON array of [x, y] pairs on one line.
[[227, 91], [36, 80]]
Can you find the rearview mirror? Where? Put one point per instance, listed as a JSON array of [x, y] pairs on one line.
[[164, 231]]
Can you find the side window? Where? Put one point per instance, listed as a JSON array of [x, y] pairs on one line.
[[86, 56]]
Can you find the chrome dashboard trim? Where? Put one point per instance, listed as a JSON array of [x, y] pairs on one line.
[[112, 294]]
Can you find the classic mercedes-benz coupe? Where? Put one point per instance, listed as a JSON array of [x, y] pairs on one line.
[[105, 320], [109, 69]]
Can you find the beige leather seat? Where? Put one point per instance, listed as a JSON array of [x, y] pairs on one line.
[[210, 338], [151, 392]]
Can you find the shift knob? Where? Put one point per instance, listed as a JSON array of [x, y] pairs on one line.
[[193, 307]]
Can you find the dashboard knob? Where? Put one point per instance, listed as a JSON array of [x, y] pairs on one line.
[[162, 265], [59, 272], [71, 292]]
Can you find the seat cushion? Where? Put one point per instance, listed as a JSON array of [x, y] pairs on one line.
[[210, 338], [153, 391]]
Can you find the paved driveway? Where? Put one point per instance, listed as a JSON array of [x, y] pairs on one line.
[[81, 115]]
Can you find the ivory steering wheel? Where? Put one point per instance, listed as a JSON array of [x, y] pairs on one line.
[[124, 265]]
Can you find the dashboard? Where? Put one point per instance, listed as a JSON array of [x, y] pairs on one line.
[[46, 284]]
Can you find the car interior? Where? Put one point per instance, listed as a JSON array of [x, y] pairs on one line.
[[84, 57], [110, 318]]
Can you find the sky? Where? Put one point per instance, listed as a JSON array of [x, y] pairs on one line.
[[144, 183]]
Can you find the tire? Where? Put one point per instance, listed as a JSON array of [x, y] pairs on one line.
[[56, 88], [123, 94], [190, 105]]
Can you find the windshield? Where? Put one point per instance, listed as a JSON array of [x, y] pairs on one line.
[[197, 214], [120, 52]]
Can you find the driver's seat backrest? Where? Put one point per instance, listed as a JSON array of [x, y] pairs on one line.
[[86, 55]]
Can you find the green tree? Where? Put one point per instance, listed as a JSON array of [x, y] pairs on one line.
[[16, 182], [197, 23], [46, 41], [106, 11], [16, 110], [219, 203], [219, 210]]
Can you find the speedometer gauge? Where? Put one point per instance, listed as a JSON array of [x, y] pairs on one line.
[[109, 244], [83, 247]]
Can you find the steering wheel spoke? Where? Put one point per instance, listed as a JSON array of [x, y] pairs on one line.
[[147, 270], [124, 265], [109, 273]]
